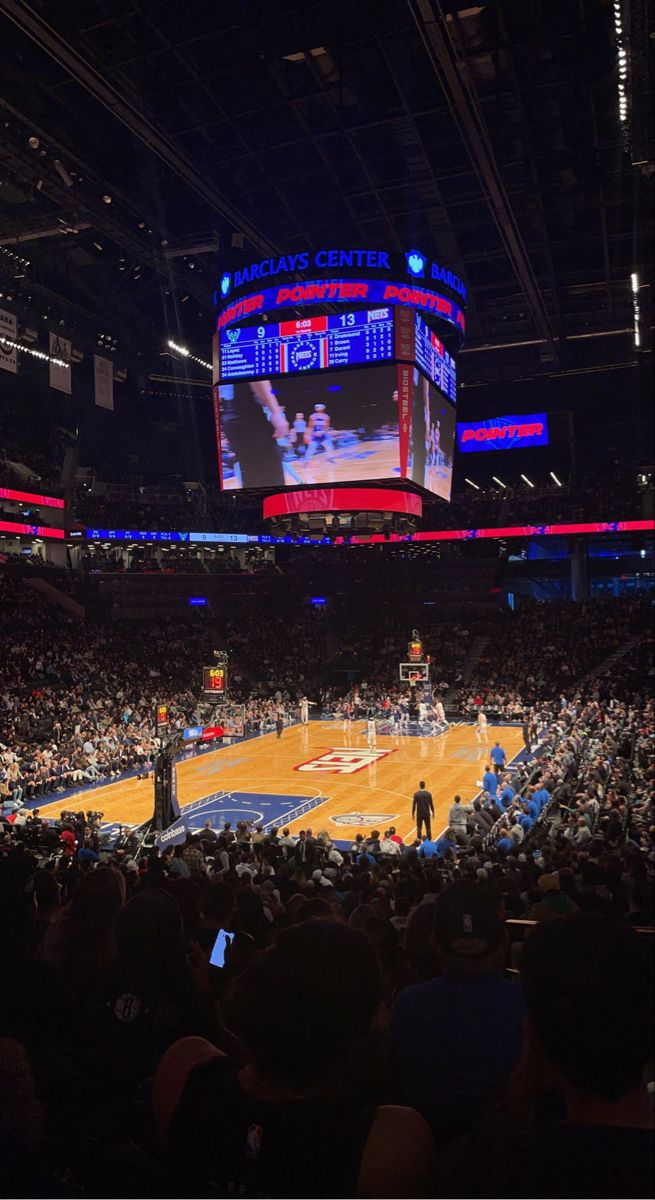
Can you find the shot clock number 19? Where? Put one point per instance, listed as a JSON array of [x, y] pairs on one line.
[[214, 681]]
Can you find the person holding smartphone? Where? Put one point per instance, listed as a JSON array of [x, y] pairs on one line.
[[300, 1012]]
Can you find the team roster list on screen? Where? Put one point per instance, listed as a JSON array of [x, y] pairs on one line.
[[308, 344], [325, 428], [434, 360]]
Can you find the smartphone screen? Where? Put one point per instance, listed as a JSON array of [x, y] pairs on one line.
[[223, 938]]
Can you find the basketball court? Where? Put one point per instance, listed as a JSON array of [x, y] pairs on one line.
[[315, 775]]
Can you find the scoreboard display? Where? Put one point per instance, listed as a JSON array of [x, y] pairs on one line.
[[161, 717], [214, 681], [434, 360], [308, 344], [415, 650]]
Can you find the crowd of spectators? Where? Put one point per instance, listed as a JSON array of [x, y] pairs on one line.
[[608, 492], [572, 639], [384, 1019]]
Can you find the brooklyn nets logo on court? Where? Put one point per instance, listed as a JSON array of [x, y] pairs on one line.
[[343, 761], [368, 819]]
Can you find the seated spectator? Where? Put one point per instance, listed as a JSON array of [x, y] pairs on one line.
[[446, 845], [287, 1121], [588, 1034], [453, 1080], [553, 902]]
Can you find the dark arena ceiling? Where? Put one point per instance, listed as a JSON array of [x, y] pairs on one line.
[[145, 146]]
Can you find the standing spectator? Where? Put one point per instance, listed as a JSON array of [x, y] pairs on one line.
[[457, 818]]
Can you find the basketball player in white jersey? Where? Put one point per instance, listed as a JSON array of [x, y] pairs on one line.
[[304, 711], [481, 730], [318, 433], [371, 734], [439, 710]]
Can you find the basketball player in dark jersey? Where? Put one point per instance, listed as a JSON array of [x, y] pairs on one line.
[[251, 435]]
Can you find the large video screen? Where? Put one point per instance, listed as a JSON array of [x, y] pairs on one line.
[[431, 438], [325, 428], [434, 360], [309, 344]]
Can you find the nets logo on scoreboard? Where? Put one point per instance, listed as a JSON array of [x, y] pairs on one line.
[[342, 761], [214, 681]]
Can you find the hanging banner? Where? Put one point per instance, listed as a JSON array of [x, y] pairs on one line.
[[103, 370], [60, 377], [8, 354]]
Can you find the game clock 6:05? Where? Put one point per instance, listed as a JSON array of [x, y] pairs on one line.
[[213, 681]]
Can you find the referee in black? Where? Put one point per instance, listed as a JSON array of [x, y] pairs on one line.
[[423, 810]]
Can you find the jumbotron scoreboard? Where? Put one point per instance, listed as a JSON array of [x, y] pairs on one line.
[[308, 344], [337, 366]]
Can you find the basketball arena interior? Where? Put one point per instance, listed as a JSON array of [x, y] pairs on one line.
[[327, 855]]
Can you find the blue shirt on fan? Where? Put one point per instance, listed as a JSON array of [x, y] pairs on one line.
[[541, 797], [490, 782]]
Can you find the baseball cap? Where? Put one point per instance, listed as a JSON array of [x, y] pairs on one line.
[[548, 883], [87, 855], [466, 922]]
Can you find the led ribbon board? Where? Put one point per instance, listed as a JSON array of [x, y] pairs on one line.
[[344, 291], [434, 535], [503, 433]]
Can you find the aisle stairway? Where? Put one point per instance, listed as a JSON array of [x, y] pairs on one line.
[[611, 659], [474, 654]]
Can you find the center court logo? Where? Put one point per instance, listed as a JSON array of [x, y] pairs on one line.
[[342, 761]]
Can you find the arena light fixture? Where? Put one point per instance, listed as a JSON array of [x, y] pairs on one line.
[[472, 484], [498, 481], [622, 61], [183, 352], [557, 481], [634, 283], [58, 362], [526, 480]]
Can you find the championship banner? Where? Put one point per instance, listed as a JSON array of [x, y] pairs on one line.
[[103, 371], [60, 377], [8, 354]]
